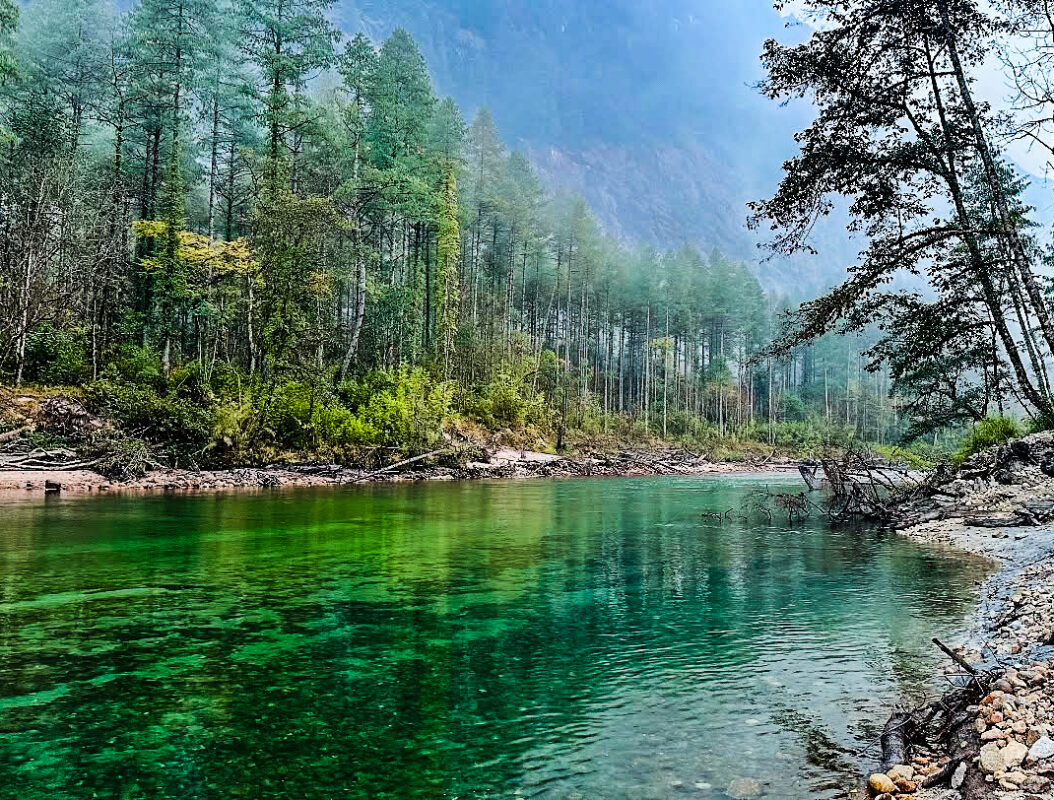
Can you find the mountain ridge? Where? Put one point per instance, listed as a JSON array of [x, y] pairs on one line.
[[619, 102]]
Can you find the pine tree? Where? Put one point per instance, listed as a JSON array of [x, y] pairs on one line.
[[288, 41], [8, 25]]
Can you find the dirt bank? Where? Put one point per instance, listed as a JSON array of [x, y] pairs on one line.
[[504, 463]]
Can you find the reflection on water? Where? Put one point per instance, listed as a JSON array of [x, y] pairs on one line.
[[570, 639]]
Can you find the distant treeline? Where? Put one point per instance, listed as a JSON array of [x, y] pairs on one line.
[[230, 206]]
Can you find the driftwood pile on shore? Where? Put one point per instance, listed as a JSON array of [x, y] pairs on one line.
[[460, 463], [1003, 487], [1006, 486]]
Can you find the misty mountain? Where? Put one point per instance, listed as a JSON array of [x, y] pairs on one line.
[[621, 101]]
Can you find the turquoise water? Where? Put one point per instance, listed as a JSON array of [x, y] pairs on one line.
[[554, 639]]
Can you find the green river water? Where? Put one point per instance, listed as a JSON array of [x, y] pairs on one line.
[[554, 639]]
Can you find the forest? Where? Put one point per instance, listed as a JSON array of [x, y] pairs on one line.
[[243, 234]]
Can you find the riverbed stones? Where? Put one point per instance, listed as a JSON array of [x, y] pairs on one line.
[[880, 783], [901, 772], [1014, 646], [744, 788], [959, 775], [991, 759], [1042, 749], [1014, 753]]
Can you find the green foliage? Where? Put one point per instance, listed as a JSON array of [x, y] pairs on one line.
[[8, 23], [133, 364], [248, 215], [57, 357], [506, 402], [405, 407], [807, 438], [917, 456], [989, 432], [290, 416], [126, 459], [143, 412], [795, 408]]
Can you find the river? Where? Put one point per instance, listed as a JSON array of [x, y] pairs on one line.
[[554, 639]]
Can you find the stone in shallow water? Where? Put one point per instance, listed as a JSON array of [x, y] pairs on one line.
[[959, 775], [744, 788]]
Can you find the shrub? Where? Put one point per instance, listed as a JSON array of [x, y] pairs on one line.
[[506, 402], [137, 365], [289, 413], [800, 437], [229, 426], [342, 432], [126, 459], [410, 411], [144, 413], [989, 432], [916, 456], [57, 357]]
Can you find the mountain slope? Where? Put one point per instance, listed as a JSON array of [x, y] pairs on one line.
[[645, 108]]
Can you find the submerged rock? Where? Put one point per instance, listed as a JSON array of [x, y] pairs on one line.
[[744, 788]]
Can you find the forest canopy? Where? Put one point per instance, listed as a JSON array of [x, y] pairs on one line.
[[245, 233]]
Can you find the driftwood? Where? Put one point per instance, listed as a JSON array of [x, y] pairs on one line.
[[401, 464], [895, 736], [810, 474], [61, 460], [944, 724], [954, 656]]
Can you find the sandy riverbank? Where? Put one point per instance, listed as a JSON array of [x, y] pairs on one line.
[[505, 463]]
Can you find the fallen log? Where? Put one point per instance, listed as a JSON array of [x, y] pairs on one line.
[[35, 466], [401, 464], [809, 474], [895, 737], [10, 436]]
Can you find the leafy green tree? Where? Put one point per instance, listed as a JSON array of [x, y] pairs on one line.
[[898, 129]]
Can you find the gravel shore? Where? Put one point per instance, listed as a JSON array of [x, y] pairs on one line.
[[1013, 639]]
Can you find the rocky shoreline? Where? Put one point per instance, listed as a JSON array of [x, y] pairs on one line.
[[1000, 744], [503, 463]]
